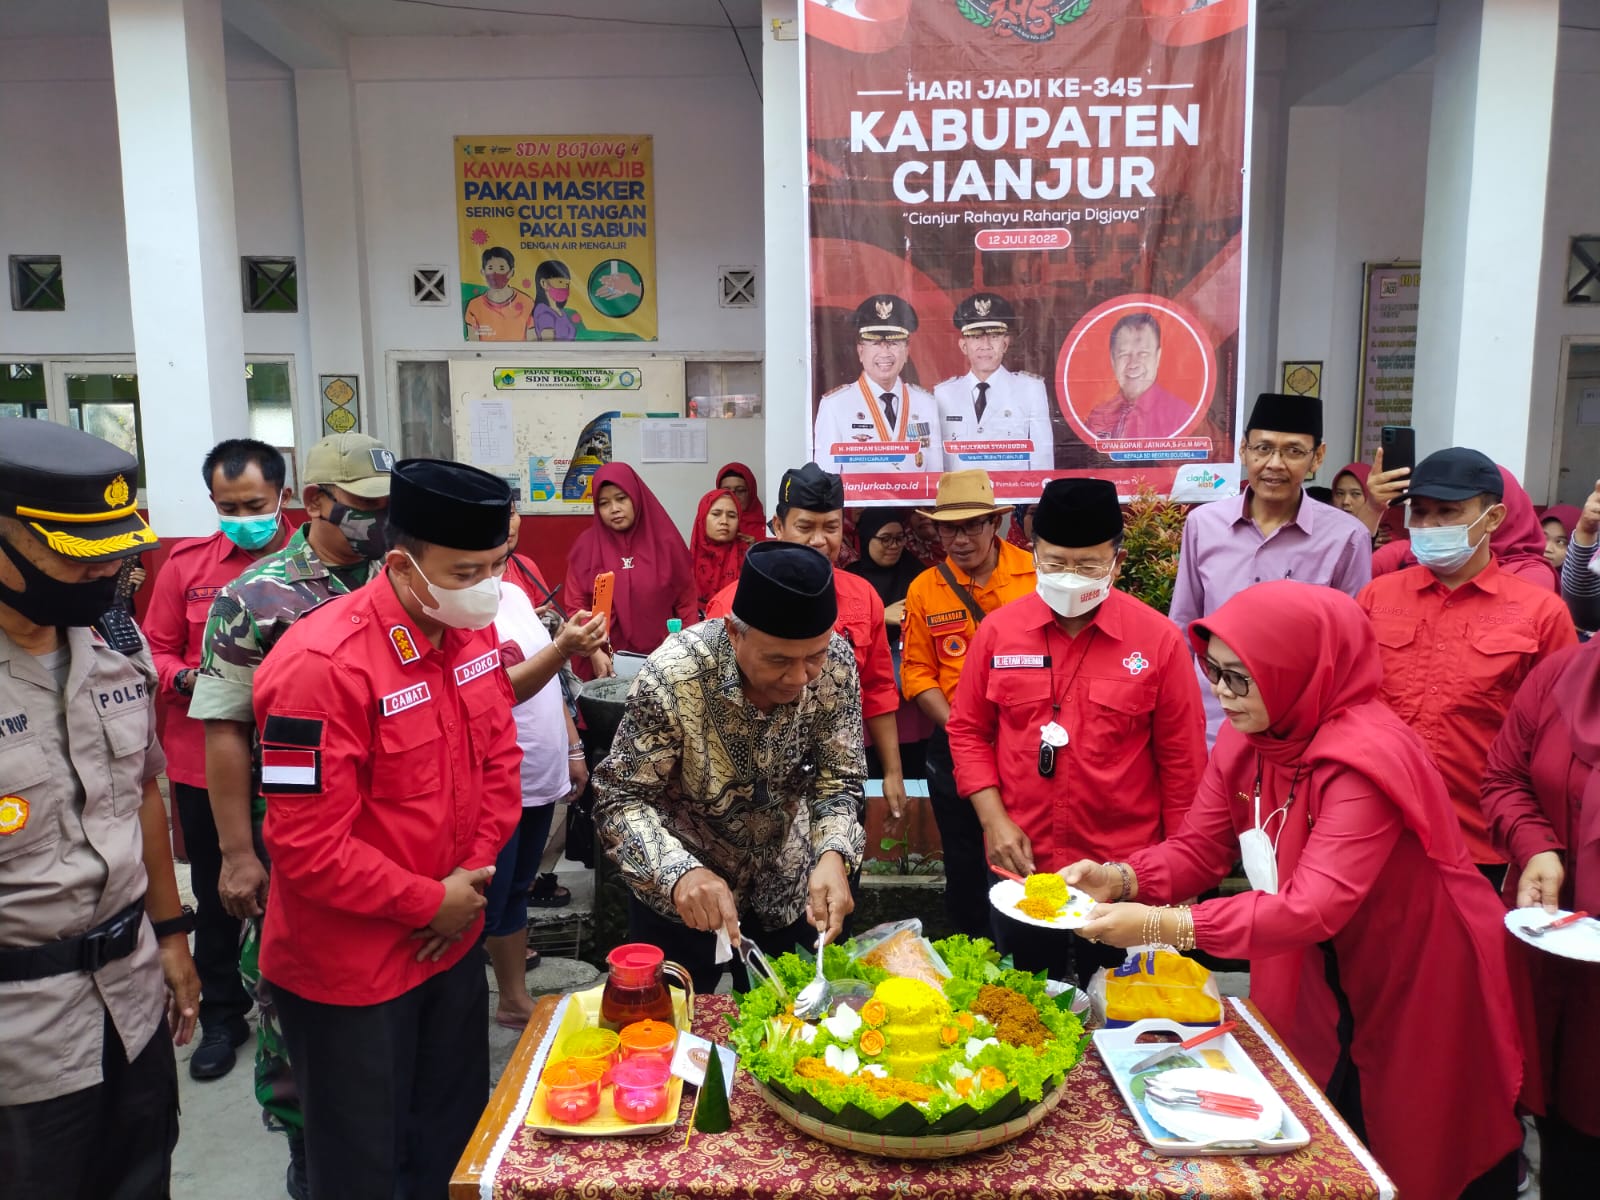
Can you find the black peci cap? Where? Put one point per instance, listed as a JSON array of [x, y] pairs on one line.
[[786, 590], [449, 504], [1078, 512], [1278, 413], [73, 491], [1454, 474], [810, 488]]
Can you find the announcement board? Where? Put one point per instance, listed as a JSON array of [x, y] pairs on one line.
[[1063, 180], [557, 238], [1388, 350]]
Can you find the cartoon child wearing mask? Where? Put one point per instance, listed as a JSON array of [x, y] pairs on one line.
[[553, 321], [503, 313]]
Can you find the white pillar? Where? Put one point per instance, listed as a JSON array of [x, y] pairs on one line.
[[183, 255], [333, 276], [787, 300], [1483, 229]]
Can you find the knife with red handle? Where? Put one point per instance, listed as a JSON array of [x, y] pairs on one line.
[[1144, 1064]]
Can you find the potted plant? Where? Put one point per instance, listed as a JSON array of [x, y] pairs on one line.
[[1152, 534]]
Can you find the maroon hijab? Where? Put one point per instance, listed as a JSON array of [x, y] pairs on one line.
[[1394, 519], [649, 558], [1578, 691]]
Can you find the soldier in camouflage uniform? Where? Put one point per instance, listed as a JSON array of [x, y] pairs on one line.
[[337, 550]]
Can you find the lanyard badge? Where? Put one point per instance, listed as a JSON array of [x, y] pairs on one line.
[[1052, 737]]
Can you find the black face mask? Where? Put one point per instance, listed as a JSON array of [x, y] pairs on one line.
[[367, 531], [47, 601]]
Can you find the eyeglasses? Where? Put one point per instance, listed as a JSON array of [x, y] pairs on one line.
[[1236, 682], [1290, 454], [1087, 570], [889, 540], [949, 532]]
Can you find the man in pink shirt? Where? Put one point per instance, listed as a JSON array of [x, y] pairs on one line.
[[1271, 531], [246, 481]]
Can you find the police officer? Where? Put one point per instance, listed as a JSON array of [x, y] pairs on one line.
[[878, 421], [96, 980], [992, 403], [390, 766]]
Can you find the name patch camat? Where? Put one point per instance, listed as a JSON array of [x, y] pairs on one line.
[[396, 702], [481, 665]]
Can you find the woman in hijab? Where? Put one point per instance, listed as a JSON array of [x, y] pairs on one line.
[[884, 562], [1558, 521], [1375, 947], [1541, 793], [633, 537], [1518, 544], [1020, 533], [1350, 494], [715, 545], [922, 538], [741, 481]]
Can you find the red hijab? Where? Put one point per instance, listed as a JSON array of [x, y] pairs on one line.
[[716, 564], [752, 517], [646, 592], [1578, 690], [1394, 519], [1567, 514]]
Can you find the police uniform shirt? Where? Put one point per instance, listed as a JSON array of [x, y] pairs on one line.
[[74, 758], [1016, 408], [843, 416]]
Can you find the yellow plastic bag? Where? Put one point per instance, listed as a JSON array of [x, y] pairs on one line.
[[1159, 983]]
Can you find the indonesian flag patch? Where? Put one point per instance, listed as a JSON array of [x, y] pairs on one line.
[[290, 772]]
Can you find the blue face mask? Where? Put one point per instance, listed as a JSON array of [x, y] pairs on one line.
[[1444, 549], [251, 533]]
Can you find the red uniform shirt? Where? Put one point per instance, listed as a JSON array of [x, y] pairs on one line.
[[861, 624], [175, 625], [386, 764], [1452, 661], [1130, 705]]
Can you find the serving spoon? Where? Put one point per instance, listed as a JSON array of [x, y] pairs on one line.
[[814, 998]]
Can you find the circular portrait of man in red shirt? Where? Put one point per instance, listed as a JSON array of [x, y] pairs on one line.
[[1135, 368]]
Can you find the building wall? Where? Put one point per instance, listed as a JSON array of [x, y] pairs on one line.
[[62, 193], [690, 91]]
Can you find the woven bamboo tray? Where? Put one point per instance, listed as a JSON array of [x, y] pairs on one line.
[[948, 1145]]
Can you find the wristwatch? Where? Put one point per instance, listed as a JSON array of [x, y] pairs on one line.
[[182, 923]]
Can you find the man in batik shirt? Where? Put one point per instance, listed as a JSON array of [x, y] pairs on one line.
[[730, 796]]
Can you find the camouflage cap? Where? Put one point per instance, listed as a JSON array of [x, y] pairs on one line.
[[353, 461]]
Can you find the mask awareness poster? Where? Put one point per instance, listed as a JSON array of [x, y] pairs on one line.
[[1026, 239], [557, 238]]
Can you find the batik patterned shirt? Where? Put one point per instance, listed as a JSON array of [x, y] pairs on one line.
[[698, 777]]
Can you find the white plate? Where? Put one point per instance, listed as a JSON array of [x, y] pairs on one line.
[[1005, 894], [1201, 1126], [1580, 940]]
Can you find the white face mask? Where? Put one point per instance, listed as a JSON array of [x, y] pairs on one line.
[[1444, 549], [472, 607], [1071, 595], [1259, 852]]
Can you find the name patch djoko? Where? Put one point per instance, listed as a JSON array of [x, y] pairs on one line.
[[1010, 662], [482, 665], [396, 702]]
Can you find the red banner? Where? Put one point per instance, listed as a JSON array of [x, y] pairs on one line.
[[1026, 238]]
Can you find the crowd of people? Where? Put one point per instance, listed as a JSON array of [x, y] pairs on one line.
[[1377, 702]]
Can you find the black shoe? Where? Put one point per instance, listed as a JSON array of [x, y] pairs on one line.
[[213, 1058], [295, 1182]]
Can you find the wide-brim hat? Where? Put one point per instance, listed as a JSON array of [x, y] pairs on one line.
[[964, 495]]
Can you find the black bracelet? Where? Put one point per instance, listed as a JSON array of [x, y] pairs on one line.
[[182, 923]]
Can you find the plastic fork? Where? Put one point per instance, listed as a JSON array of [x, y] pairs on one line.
[[1558, 923], [1222, 1103]]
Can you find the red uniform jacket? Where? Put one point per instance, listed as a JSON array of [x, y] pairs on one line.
[[175, 626], [386, 764], [1125, 691], [1420, 948], [861, 624], [1533, 793]]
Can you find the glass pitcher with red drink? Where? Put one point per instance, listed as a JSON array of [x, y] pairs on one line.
[[636, 989]]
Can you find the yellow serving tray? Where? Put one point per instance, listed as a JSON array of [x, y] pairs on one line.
[[584, 1009]]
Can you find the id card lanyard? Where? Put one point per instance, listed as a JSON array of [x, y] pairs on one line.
[[1053, 737]]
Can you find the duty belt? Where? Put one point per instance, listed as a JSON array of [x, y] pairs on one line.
[[89, 951]]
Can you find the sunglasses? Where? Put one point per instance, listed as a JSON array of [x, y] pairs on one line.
[[1235, 681]]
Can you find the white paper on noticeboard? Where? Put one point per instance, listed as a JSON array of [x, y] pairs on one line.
[[492, 443], [674, 441]]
